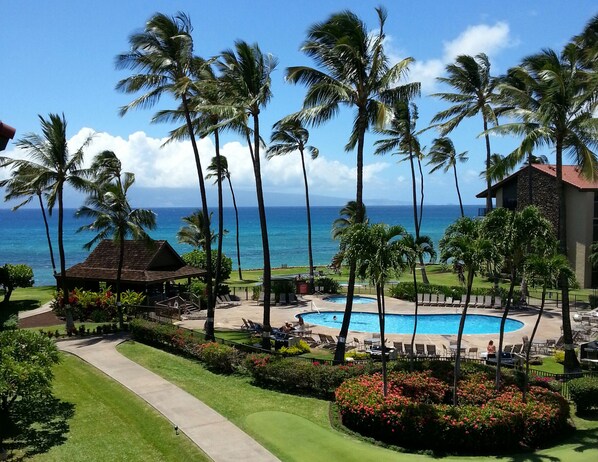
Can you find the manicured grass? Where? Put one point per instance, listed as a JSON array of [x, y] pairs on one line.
[[297, 428], [61, 328], [28, 298], [111, 423], [549, 365]]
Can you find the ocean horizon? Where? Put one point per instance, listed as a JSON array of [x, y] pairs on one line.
[[24, 240]]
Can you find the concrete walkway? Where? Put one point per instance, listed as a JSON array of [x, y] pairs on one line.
[[214, 434]]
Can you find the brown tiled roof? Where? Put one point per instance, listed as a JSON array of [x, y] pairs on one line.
[[571, 175], [157, 262]]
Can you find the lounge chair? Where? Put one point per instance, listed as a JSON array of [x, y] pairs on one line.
[[487, 301], [408, 349], [497, 302], [282, 299], [358, 344], [399, 348], [472, 352], [518, 348], [440, 300], [420, 349], [431, 351], [227, 298], [433, 300], [508, 348], [293, 299], [420, 299]]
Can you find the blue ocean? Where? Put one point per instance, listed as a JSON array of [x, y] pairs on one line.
[[23, 238]]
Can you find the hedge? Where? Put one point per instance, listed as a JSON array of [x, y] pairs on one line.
[[584, 393]]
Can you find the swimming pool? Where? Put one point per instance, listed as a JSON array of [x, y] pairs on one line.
[[342, 299], [438, 324]]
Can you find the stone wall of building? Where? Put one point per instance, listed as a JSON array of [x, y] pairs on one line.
[[543, 192]]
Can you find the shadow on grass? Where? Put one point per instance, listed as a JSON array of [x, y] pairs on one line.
[[37, 426]]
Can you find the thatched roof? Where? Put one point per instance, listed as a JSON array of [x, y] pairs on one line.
[[143, 264]]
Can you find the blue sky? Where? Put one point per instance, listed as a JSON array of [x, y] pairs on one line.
[[59, 57]]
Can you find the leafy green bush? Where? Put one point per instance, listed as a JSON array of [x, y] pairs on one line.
[[328, 285], [100, 306], [197, 258], [584, 393], [14, 276], [294, 375], [298, 349], [559, 356]]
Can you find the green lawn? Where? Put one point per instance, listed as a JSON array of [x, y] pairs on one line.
[[111, 423], [297, 428]]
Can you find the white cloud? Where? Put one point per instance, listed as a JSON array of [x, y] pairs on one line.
[[480, 38], [173, 166]]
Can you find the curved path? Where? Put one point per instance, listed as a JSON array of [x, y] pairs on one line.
[[214, 434]]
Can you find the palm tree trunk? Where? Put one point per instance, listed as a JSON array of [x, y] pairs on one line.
[[339, 354], [70, 325], [307, 208], [232, 193], [457, 371], [488, 154], [209, 325], [501, 336], [382, 320], [458, 191], [416, 219], [264, 227], [411, 359], [421, 193], [220, 214], [121, 259], [531, 340], [571, 364], [41, 205]]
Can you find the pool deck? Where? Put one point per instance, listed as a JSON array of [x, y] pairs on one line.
[[549, 328]]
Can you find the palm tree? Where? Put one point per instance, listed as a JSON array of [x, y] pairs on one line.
[[246, 80], [51, 167], [376, 252], [555, 108], [287, 137], [220, 168], [464, 243], [444, 156], [162, 56], [470, 77], [193, 232], [21, 185], [546, 267], [355, 73], [403, 139], [349, 216], [514, 234], [113, 217], [414, 248]]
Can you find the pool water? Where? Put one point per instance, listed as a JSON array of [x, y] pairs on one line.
[[438, 324], [342, 299]]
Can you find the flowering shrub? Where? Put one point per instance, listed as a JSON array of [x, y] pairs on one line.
[[415, 413], [95, 306], [218, 357]]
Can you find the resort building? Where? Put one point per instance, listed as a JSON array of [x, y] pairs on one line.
[[581, 202], [146, 268]]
